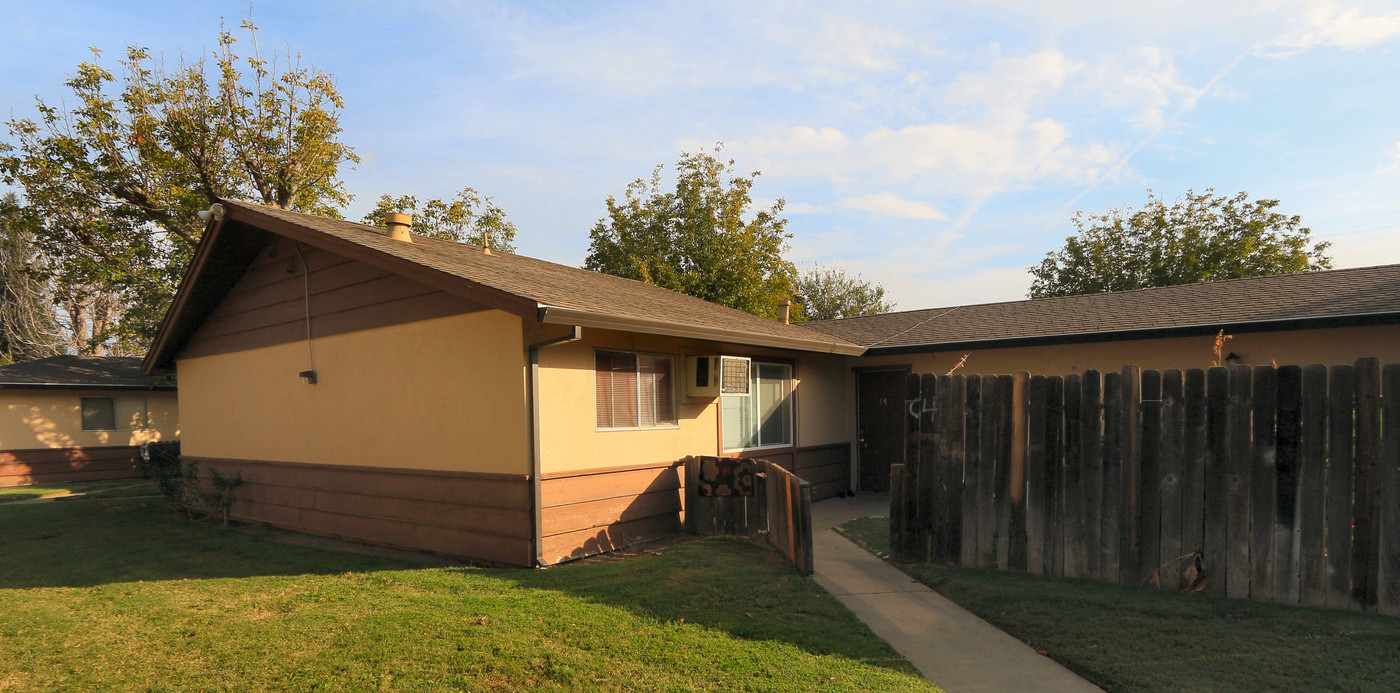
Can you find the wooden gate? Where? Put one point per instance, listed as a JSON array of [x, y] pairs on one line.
[[751, 498]]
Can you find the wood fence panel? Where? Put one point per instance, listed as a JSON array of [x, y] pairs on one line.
[[1037, 470], [972, 468], [1237, 483], [928, 468], [1388, 597], [935, 447], [949, 470], [1263, 483], [913, 407], [986, 489], [804, 559], [1006, 388], [1312, 488], [1289, 428], [1142, 481], [1016, 474], [1341, 401], [1091, 476], [1365, 517], [1054, 477], [1116, 510], [957, 445], [1169, 480], [1193, 462], [1216, 473], [1074, 534]]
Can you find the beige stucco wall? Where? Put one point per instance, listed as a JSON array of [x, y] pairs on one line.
[[53, 419], [1325, 346], [570, 439], [442, 394]]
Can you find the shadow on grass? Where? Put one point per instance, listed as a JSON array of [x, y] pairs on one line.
[[122, 540], [728, 584]]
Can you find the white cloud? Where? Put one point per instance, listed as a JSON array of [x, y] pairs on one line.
[[1348, 29], [859, 46], [891, 205], [1394, 155], [1011, 84], [1145, 81]]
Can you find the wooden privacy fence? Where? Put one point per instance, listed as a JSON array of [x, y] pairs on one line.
[[1276, 484], [750, 498]]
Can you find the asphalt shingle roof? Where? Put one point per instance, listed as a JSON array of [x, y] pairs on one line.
[[551, 284], [1368, 291], [98, 372]]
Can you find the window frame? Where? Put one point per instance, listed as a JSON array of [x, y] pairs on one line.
[[677, 381], [791, 380], [145, 406]]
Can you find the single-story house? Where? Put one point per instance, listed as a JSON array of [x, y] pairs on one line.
[[397, 389], [376, 385], [80, 418], [1327, 317]]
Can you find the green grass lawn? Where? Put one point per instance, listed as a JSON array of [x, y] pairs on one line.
[[123, 488], [93, 597], [1136, 639]]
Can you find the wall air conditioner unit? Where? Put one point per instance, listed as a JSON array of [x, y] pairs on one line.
[[712, 376]]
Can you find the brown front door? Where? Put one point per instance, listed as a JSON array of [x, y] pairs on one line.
[[880, 417]]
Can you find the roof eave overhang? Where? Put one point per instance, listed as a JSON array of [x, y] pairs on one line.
[[570, 316], [1278, 325]]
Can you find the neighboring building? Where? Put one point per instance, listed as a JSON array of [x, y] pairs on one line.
[[1329, 317], [427, 394], [80, 418]]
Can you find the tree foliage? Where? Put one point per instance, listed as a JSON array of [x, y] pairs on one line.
[[117, 180], [1199, 237], [829, 293], [29, 327], [468, 218], [701, 239]]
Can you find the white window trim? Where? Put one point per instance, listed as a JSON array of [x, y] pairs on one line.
[[792, 417], [675, 401]]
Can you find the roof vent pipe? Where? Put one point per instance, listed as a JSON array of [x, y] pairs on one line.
[[398, 225], [785, 311]]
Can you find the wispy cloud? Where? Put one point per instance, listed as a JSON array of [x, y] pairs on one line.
[[891, 205], [1351, 28]]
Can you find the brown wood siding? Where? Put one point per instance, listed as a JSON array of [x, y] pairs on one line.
[[476, 516], [65, 465], [592, 511], [826, 467], [268, 306]]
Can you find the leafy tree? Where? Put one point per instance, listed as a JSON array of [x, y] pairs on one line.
[[468, 218], [118, 179], [1199, 237], [828, 293], [702, 239]]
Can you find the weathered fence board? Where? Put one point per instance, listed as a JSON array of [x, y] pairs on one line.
[[1217, 452], [1312, 492], [1169, 482], [1264, 483], [1388, 597], [1341, 390], [1289, 426], [972, 466], [1272, 483]]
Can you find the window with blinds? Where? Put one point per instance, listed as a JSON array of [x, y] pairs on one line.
[[635, 390]]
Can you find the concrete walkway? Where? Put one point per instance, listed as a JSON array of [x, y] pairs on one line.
[[950, 646]]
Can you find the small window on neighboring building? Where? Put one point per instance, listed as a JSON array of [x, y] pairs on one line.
[[635, 390], [114, 413]]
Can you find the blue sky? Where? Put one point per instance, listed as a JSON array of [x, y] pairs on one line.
[[938, 148]]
